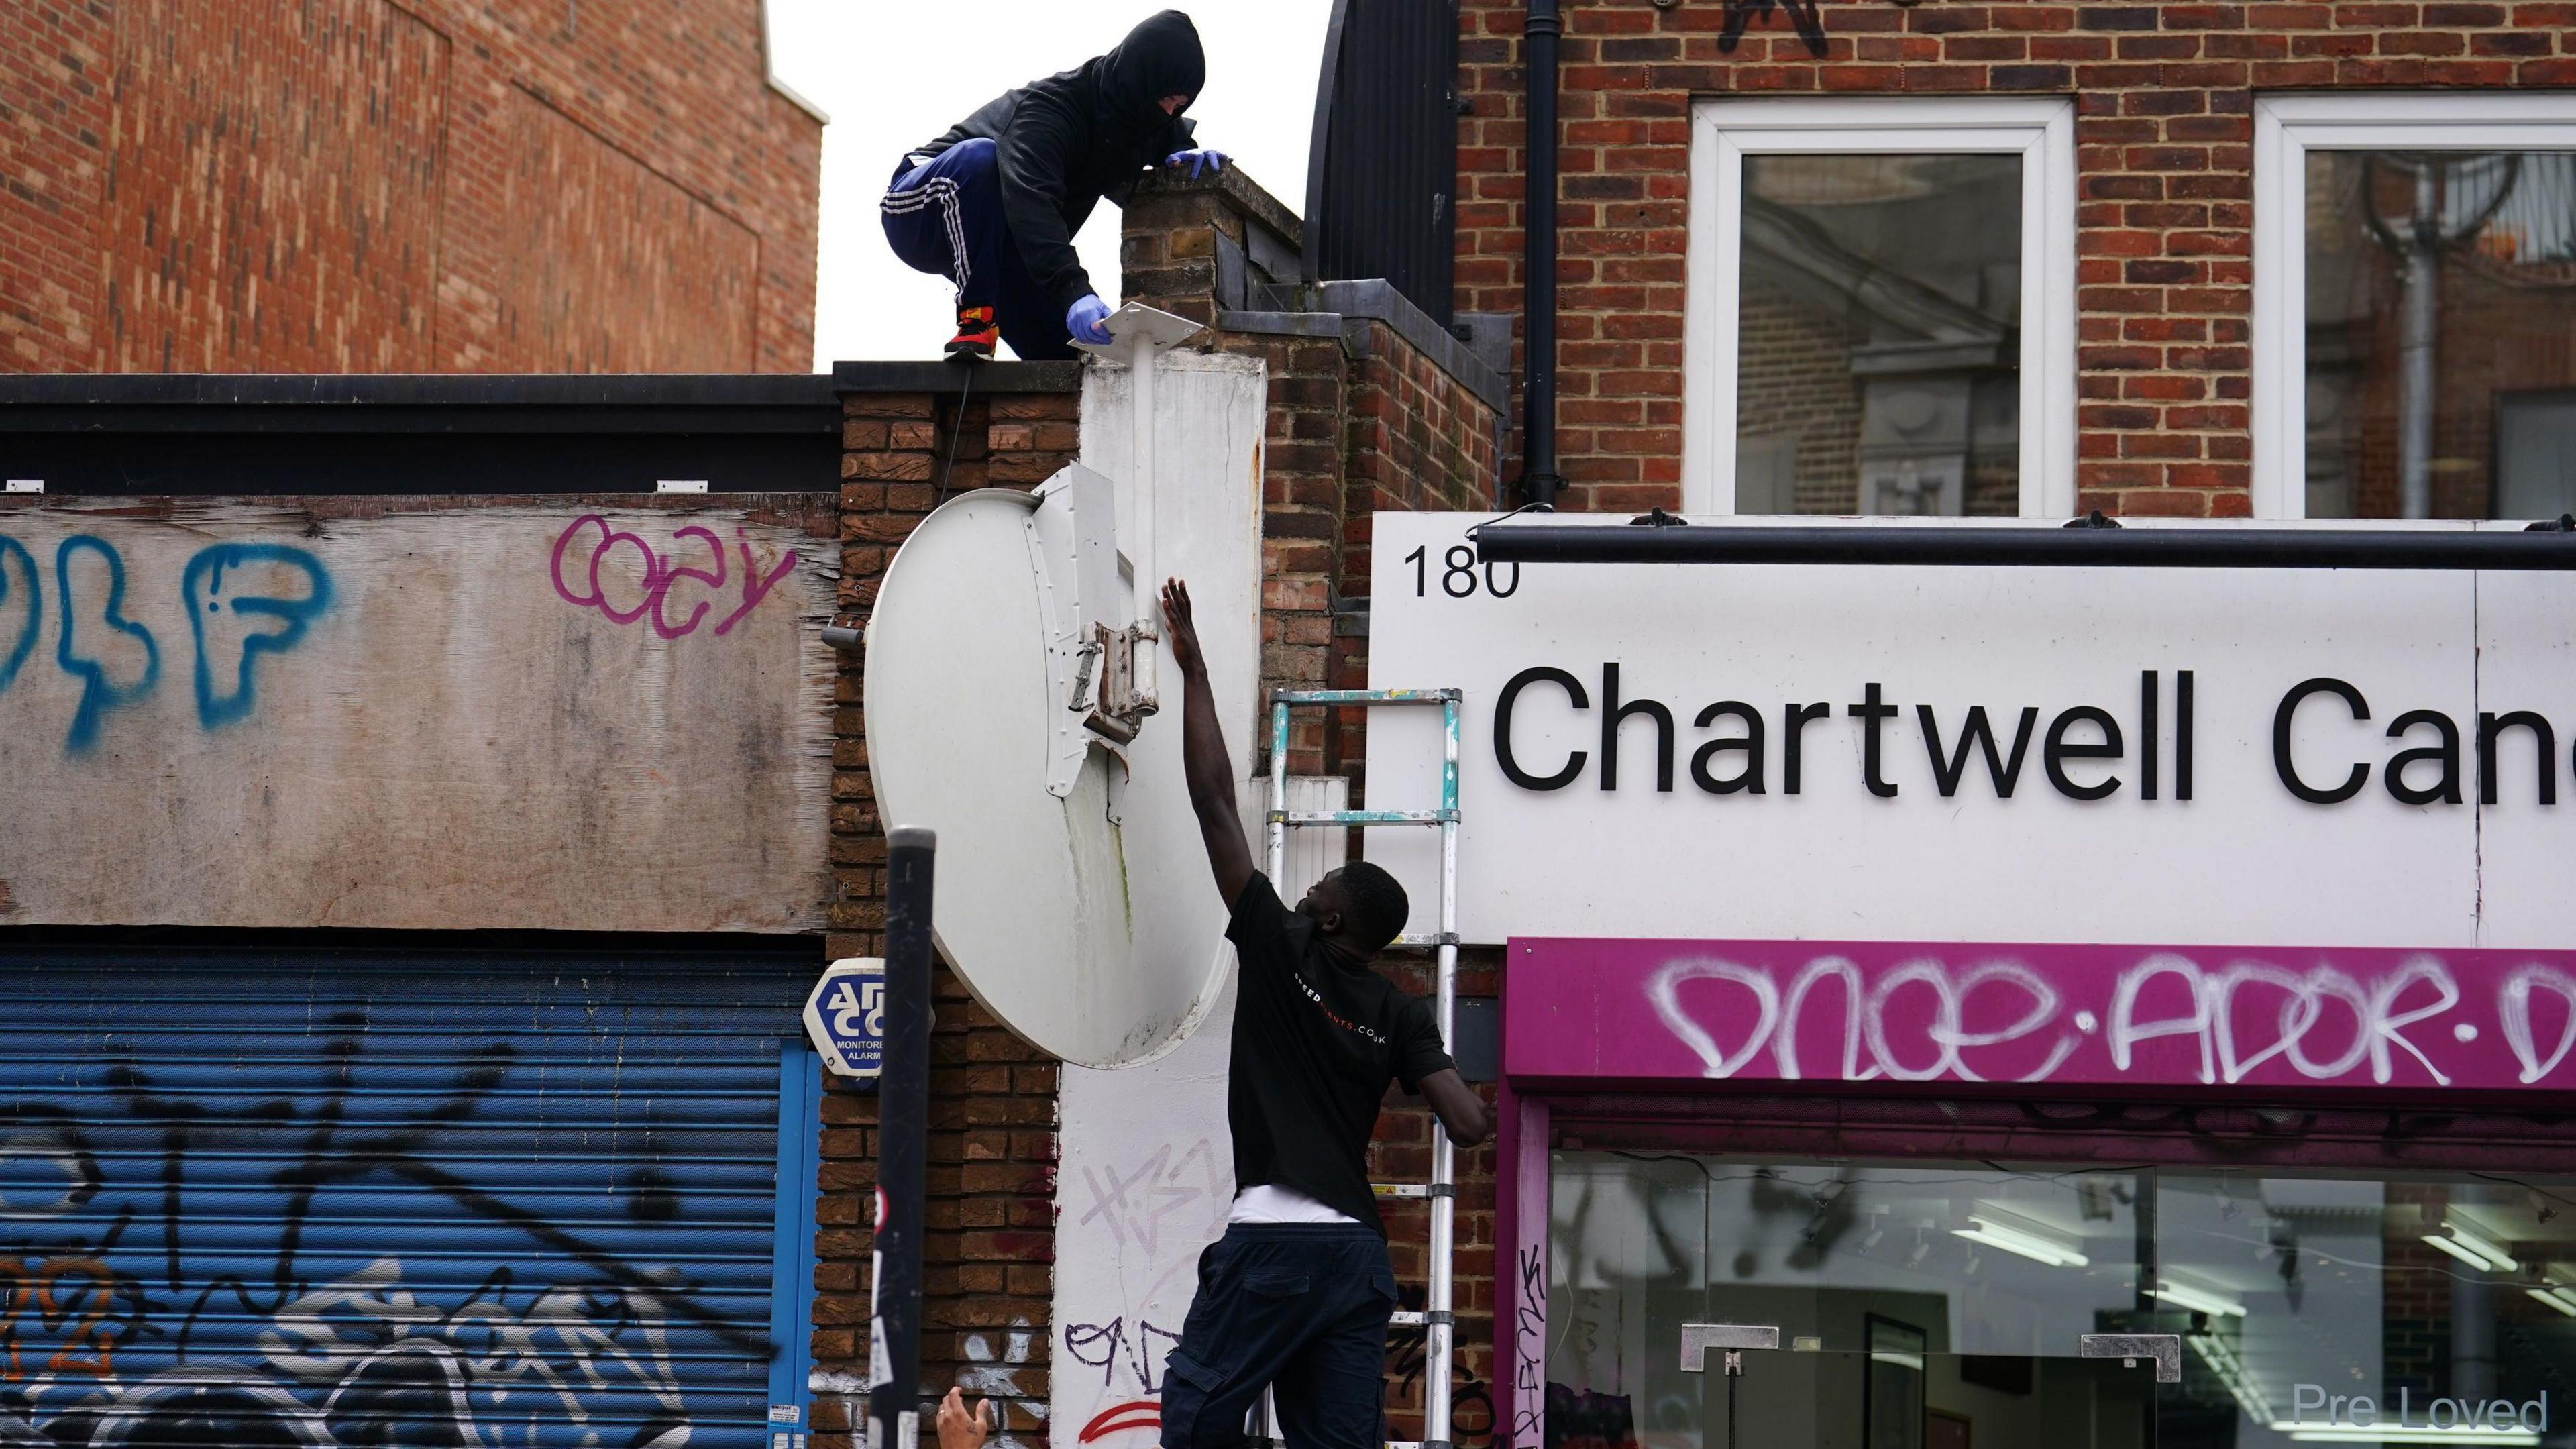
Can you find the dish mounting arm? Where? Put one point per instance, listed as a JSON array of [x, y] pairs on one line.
[[1129, 677]]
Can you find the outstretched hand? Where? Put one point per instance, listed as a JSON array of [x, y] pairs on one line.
[[960, 1430], [1184, 630]]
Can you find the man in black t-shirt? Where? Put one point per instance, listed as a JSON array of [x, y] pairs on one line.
[[1297, 1293]]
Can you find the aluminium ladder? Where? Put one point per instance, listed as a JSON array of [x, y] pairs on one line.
[[1435, 1318]]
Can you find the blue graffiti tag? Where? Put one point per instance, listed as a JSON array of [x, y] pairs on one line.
[[10, 663], [201, 588], [98, 696]]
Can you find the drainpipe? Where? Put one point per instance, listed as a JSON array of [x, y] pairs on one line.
[[1539, 480], [2419, 320]]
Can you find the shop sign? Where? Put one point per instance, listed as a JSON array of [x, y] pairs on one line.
[[2291, 757], [1898, 1012], [2361, 1419]]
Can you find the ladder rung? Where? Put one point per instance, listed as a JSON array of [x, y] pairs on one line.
[[1362, 817], [1365, 696], [1420, 1320], [1426, 938], [1414, 1189]]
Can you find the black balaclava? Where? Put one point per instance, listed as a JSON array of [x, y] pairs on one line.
[[1160, 57]]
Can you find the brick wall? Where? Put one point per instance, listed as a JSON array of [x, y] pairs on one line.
[[2164, 131], [990, 1240], [436, 185]]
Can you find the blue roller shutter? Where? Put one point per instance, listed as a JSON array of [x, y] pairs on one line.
[[351, 1198]]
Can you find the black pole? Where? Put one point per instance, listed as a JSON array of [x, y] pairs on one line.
[[2270, 548], [903, 1129], [1539, 480]]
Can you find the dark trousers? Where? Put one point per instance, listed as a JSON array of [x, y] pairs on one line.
[[1297, 1307], [944, 216]]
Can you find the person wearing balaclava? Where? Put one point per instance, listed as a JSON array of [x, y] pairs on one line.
[[993, 205]]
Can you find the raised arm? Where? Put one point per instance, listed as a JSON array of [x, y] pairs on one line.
[[1203, 761], [1462, 1113]]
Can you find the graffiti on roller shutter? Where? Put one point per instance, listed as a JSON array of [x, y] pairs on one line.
[[205, 1267]]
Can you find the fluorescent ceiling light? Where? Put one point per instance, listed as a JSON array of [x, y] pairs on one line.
[[2470, 1248], [2223, 1361], [2479, 1243], [2198, 1300], [2023, 1239], [2558, 1298], [2457, 1251], [2410, 1434]]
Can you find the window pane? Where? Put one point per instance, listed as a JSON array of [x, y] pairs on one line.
[[2441, 334], [2318, 1309], [1924, 1304], [1879, 335]]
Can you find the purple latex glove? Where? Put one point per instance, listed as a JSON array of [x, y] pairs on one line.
[[1084, 318], [1199, 162]]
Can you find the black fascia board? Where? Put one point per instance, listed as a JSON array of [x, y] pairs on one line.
[[2538, 547], [192, 435]]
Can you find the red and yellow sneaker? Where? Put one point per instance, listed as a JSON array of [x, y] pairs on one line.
[[977, 335]]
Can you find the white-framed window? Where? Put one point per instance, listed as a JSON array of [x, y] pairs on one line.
[[1882, 306], [2415, 305]]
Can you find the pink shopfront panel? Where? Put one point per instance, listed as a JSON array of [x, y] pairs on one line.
[[1592, 1014]]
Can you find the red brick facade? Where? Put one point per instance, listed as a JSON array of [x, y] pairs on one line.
[[431, 186], [2164, 130], [990, 1218]]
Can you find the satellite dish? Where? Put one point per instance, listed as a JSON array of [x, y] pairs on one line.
[[1008, 707]]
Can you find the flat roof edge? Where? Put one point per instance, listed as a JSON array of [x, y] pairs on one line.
[[420, 389], [989, 377]]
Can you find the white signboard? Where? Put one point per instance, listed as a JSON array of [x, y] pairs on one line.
[[2211, 756]]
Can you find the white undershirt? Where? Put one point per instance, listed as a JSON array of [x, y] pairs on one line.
[[1271, 1203]]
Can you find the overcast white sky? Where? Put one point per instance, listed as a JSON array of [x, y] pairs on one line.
[[893, 75]]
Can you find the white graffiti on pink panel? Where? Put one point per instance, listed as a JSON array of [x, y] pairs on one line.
[[2103, 1014]]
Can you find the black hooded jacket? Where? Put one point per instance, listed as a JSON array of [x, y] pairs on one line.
[[1067, 141]]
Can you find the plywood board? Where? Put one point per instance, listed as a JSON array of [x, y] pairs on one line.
[[326, 713]]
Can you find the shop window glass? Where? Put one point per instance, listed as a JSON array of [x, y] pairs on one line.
[[1878, 335], [1921, 1304], [2440, 333]]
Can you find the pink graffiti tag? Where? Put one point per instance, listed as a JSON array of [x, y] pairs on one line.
[[661, 573]]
